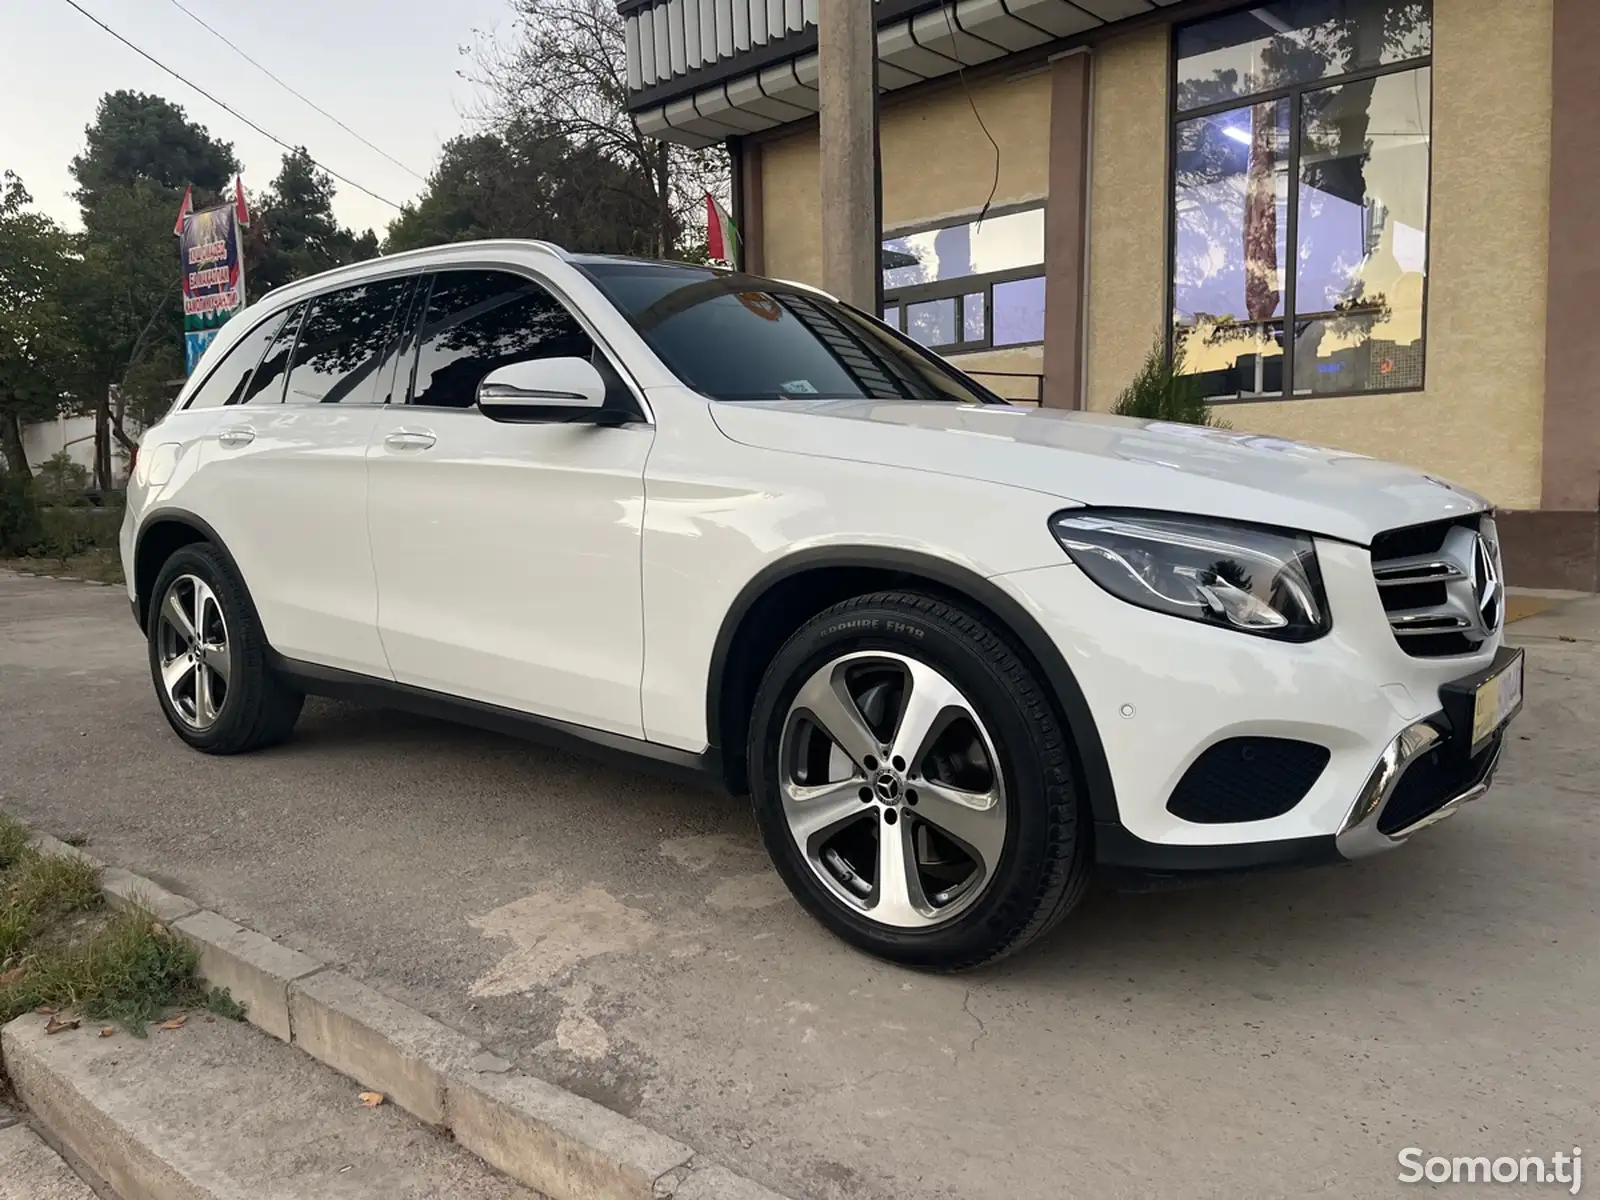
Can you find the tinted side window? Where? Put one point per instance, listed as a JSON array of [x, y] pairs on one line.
[[479, 320], [342, 342], [266, 385], [227, 383]]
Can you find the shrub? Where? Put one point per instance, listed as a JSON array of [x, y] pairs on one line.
[[62, 481], [1162, 392], [20, 528]]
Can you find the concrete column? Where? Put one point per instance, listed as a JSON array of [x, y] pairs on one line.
[[1066, 222], [847, 51], [752, 221], [1558, 544], [1571, 468]]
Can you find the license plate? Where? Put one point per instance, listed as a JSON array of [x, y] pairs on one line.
[[1496, 701]]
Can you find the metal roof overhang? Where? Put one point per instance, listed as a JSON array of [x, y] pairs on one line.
[[701, 71]]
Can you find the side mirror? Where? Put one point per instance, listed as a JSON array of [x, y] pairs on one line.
[[543, 390]]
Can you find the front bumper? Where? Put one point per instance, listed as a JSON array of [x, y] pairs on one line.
[[1163, 692]]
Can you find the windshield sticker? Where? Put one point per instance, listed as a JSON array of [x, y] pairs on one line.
[[799, 387]]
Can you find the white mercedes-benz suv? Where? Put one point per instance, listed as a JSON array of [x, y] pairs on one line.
[[958, 652]]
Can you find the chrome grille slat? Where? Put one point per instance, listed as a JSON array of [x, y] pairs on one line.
[[1422, 569]]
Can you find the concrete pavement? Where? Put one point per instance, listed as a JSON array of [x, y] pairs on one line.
[[1277, 1036]]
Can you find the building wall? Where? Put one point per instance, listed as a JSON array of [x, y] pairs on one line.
[[1479, 420], [1127, 210], [937, 165]]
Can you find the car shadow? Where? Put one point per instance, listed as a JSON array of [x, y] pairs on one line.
[[1383, 917]]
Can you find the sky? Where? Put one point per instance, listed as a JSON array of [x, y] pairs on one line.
[[386, 68]]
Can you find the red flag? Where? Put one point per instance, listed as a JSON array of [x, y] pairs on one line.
[[722, 237], [240, 210], [185, 210]]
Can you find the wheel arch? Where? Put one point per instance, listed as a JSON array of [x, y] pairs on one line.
[[786, 593], [162, 534]]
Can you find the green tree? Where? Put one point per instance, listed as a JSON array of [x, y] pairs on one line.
[[294, 232], [40, 358], [1161, 391], [564, 68], [140, 154], [525, 181]]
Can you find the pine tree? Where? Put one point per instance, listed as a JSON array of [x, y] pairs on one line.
[[1162, 392]]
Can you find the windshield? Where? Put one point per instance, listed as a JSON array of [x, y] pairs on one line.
[[738, 337]]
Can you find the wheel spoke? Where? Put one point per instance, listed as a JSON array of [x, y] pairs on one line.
[[181, 622], [816, 810], [899, 892], [173, 673], [205, 707], [215, 657], [931, 702], [826, 702], [205, 605], [975, 819]]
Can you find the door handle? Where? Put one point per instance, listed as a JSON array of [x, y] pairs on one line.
[[236, 435], [409, 439]]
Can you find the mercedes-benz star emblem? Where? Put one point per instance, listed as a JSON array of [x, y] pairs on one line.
[[1486, 584]]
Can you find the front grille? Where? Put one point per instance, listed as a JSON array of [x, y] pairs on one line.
[[1247, 779], [1432, 782], [1439, 584]]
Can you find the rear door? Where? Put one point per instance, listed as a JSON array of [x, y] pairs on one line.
[[507, 555], [292, 469]]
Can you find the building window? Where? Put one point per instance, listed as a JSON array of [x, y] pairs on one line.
[[968, 286], [1300, 197]]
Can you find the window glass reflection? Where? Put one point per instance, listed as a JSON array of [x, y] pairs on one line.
[[1363, 234], [932, 322], [1019, 312], [957, 251], [1291, 42], [1230, 245]]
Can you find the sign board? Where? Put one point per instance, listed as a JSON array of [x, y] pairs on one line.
[[211, 255]]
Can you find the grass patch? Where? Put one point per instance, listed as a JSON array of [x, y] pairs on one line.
[[61, 948], [98, 565], [221, 1002]]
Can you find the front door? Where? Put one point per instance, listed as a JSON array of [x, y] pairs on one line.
[[507, 555]]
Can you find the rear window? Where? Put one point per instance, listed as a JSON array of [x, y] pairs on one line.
[[739, 337]]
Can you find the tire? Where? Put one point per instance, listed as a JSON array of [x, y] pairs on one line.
[[1007, 759], [245, 706]]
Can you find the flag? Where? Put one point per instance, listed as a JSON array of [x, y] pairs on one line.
[[185, 210], [722, 238], [241, 211]]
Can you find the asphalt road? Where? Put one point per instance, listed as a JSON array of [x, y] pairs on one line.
[[1276, 1036]]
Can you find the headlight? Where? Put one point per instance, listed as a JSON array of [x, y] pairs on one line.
[[1260, 581]]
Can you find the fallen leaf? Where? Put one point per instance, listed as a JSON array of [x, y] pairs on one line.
[[7, 978], [371, 1099], [107, 1031], [47, 1010], [157, 928], [177, 1022], [54, 1025]]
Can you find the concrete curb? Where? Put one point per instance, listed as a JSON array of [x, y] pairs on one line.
[[554, 1141]]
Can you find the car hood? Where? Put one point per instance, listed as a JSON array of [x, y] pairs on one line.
[[1098, 459]]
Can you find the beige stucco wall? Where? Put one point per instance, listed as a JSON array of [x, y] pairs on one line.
[[1019, 360], [1127, 210], [1479, 420], [936, 164]]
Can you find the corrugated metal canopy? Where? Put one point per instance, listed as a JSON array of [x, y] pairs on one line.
[[700, 71]]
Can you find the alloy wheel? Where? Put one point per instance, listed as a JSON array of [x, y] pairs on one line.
[[892, 789], [192, 642]]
